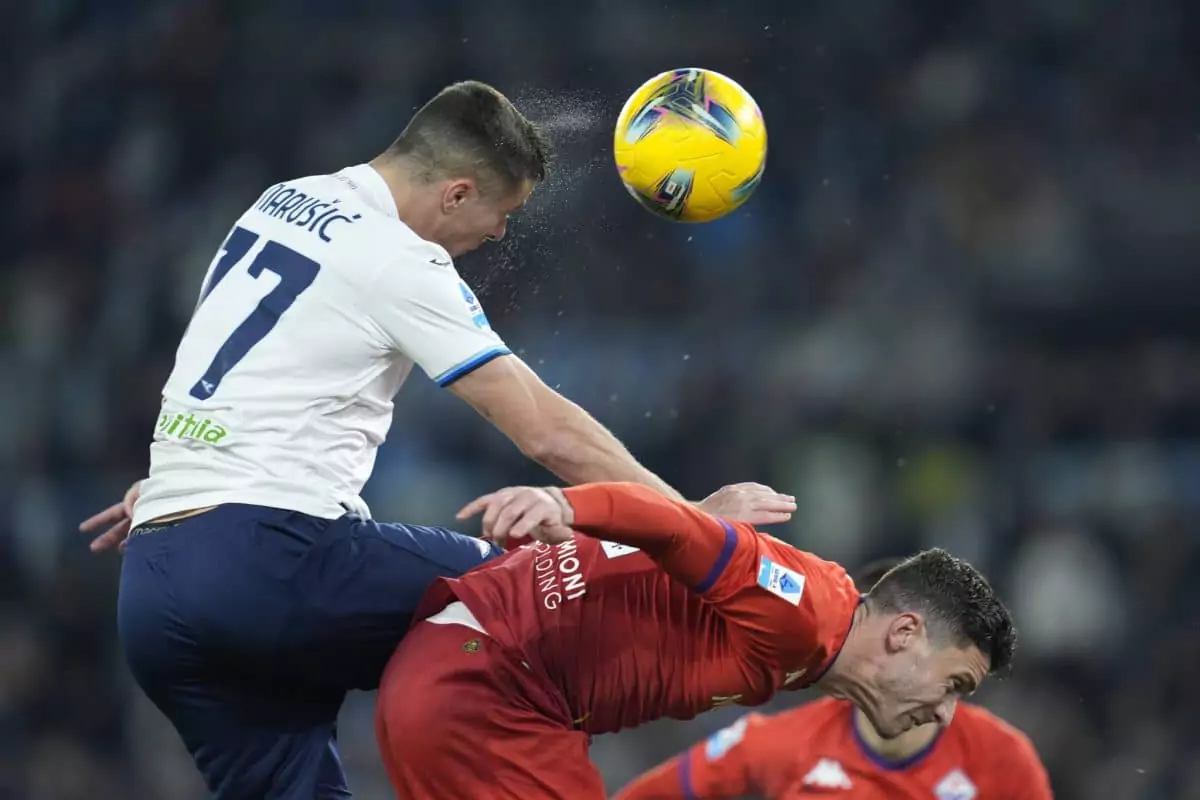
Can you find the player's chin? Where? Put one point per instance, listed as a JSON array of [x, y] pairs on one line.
[[893, 727]]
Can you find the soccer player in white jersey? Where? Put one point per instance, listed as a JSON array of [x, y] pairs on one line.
[[255, 591]]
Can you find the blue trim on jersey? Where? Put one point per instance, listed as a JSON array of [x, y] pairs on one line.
[[718, 568], [470, 365], [882, 761], [685, 777]]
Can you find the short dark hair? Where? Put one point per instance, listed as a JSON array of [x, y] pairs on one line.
[[470, 128], [956, 601], [872, 572]]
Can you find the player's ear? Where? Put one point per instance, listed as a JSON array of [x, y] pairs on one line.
[[456, 193], [905, 631]]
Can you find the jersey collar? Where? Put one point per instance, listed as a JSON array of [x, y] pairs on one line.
[[882, 761], [370, 184]]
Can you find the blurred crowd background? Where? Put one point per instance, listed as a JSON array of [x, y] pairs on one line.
[[963, 309]]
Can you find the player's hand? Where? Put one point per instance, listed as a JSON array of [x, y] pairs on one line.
[[117, 517], [749, 502], [521, 511]]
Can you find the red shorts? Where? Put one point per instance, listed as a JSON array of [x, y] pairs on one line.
[[460, 718]]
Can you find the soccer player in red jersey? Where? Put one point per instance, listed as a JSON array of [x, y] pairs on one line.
[[829, 748], [631, 607]]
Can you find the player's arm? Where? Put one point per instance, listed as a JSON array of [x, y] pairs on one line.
[[755, 581], [549, 428], [692, 546], [425, 310], [718, 768]]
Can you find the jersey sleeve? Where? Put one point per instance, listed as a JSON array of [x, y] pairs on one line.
[[774, 594], [691, 546], [428, 312], [718, 768]]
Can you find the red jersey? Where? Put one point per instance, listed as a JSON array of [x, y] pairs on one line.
[[816, 750], [672, 613]]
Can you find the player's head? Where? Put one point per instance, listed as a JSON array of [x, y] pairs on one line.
[[936, 631], [471, 159]]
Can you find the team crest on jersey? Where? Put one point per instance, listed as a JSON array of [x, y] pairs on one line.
[[780, 581], [614, 550], [955, 786], [477, 316], [725, 740]]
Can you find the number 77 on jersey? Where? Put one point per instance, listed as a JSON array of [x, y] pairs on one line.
[[296, 273]]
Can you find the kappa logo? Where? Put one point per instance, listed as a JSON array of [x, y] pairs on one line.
[[780, 581], [955, 786], [614, 550], [828, 774]]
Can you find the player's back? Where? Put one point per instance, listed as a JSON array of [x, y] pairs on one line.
[[816, 749], [625, 643], [603, 624], [283, 382]]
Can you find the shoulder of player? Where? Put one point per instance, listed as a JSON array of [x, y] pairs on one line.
[[803, 720], [828, 579], [977, 723]]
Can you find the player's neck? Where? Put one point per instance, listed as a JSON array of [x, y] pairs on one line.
[[852, 675], [415, 208], [903, 747]]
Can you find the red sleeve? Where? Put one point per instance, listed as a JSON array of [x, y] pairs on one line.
[[778, 596], [691, 546], [1019, 772], [719, 768]]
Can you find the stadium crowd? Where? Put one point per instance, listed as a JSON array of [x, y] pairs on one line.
[[958, 311]]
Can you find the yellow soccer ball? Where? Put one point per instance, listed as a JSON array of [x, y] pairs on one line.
[[690, 145]]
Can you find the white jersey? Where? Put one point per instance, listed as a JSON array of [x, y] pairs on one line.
[[310, 319]]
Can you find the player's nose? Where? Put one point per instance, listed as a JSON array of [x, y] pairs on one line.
[[498, 232]]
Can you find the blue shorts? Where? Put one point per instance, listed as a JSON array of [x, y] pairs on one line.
[[247, 626]]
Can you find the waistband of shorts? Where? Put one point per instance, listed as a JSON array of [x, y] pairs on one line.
[[154, 526]]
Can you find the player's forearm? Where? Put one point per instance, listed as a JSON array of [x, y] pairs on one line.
[[688, 544], [578, 449]]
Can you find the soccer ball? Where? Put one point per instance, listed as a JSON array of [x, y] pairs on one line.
[[690, 145]]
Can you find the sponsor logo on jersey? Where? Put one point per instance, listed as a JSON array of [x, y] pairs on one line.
[[725, 740], [955, 786], [479, 319], [614, 550], [556, 572], [827, 774], [780, 581], [186, 426]]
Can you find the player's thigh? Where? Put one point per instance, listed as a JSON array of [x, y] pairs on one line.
[[460, 719], [363, 584], [252, 731], [256, 739]]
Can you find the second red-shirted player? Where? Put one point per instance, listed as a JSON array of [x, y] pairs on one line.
[[829, 748], [631, 607]]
